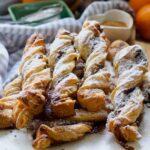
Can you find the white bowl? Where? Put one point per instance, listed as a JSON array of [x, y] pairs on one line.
[[114, 33]]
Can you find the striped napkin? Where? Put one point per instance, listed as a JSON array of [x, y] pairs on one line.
[[15, 36], [4, 59]]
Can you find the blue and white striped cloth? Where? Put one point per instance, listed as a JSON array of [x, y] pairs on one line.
[[4, 59], [15, 36]]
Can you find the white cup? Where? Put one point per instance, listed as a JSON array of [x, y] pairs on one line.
[[115, 33]]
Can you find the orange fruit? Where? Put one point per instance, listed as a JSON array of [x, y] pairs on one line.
[[137, 4], [143, 21]]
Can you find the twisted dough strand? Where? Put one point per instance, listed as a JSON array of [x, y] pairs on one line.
[[92, 45], [13, 87], [62, 59], [130, 65], [47, 136], [36, 77], [11, 94]]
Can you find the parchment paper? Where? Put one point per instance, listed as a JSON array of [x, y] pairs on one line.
[[22, 140]]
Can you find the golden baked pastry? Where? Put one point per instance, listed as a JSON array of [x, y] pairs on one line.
[[13, 87], [46, 135], [122, 121], [35, 45], [146, 87], [86, 116], [115, 47], [130, 65], [92, 45], [36, 78], [62, 45], [129, 57], [91, 95], [62, 59], [11, 94], [62, 102], [90, 38], [6, 107], [66, 93], [25, 96]]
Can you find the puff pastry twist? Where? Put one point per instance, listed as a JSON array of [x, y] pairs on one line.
[[130, 65], [62, 59], [52, 135], [36, 78], [11, 94], [92, 45], [25, 96]]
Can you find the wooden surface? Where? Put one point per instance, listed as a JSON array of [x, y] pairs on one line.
[[146, 46]]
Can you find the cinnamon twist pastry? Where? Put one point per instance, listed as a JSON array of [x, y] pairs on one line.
[[36, 78], [130, 65], [92, 45], [47, 136], [115, 47], [62, 45], [89, 39], [6, 109], [62, 59], [91, 95], [86, 116], [146, 88], [13, 87], [129, 57], [11, 94]]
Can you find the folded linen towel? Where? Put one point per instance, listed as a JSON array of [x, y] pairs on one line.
[[15, 36], [4, 58]]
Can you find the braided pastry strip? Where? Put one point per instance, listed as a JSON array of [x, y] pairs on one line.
[[130, 65], [64, 87], [115, 47], [14, 87], [6, 107], [46, 136], [36, 78], [89, 39], [86, 116], [146, 88], [57, 131], [11, 94], [92, 45], [35, 45], [62, 59], [62, 45], [91, 95]]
